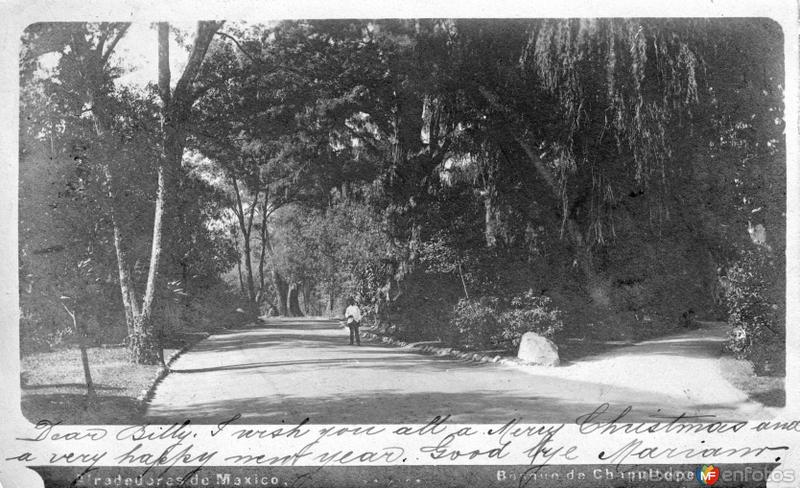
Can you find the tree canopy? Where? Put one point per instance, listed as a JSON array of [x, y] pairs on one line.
[[621, 164]]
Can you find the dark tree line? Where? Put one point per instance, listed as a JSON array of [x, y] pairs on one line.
[[623, 166]]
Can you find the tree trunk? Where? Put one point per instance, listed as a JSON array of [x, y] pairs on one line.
[[331, 303], [186, 279], [242, 291], [101, 126], [282, 290], [307, 289], [83, 334], [294, 301], [248, 265], [129, 300], [144, 346], [246, 226], [238, 263], [490, 222], [596, 287], [145, 349], [281, 287], [463, 281], [264, 236], [87, 375]]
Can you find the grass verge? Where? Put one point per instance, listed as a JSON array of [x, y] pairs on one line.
[[53, 386]]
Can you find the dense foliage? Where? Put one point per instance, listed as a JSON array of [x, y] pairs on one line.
[[756, 310], [491, 323], [464, 180]]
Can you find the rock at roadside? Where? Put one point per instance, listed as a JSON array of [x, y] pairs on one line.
[[535, 349]]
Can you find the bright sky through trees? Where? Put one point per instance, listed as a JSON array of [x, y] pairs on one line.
[[137, 53]]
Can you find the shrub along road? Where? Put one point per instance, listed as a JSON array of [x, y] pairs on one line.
[[290, 369]]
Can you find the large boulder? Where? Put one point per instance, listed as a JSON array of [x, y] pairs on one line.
[[535, 349]]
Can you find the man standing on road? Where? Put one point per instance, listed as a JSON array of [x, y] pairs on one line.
[[352, 316]]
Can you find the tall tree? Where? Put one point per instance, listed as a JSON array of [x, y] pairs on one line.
[[175, 117]]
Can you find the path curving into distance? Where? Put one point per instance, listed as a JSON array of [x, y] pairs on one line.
[[285, 370]]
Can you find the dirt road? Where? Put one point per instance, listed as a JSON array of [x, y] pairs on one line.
[[290, 369]]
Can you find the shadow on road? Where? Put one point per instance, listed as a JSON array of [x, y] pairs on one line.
[[708, 341], [397, 407], [363, 361], [290, 369]]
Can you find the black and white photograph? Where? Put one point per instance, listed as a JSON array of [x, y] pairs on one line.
[[356, 221], [419, 221]]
